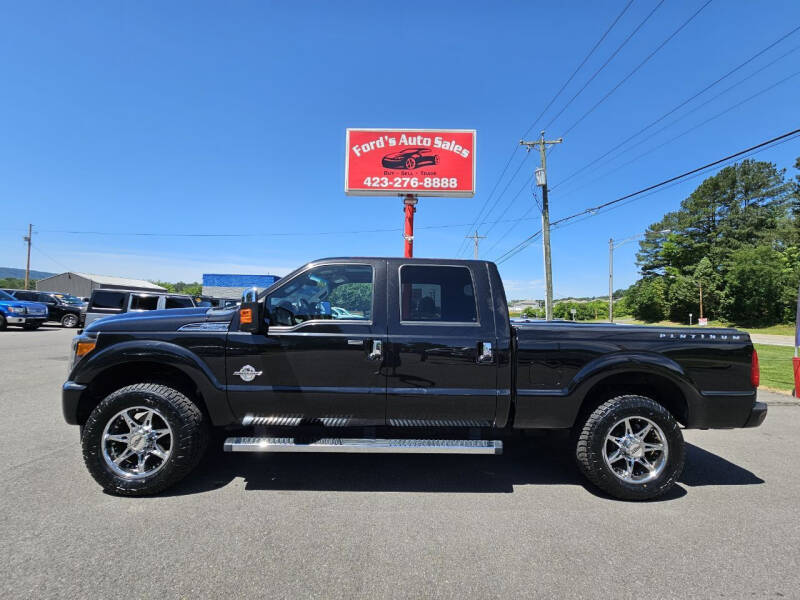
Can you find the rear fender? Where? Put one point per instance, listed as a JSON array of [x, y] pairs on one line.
[[559, 408]]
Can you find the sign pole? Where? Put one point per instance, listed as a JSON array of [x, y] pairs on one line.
[[796, 359], [410, 207]]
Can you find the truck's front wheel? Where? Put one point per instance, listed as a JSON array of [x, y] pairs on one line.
[[143, 438], [631, 447]]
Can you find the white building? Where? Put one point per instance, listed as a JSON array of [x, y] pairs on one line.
[[82, 284]]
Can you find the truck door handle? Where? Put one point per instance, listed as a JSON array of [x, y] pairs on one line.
[[377, 350], [485, 354]]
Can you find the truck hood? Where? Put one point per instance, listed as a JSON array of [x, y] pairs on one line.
[[33, 307], [160, 320]]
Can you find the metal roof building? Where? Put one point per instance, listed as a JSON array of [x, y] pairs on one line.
[[82, 284], [231, 286]]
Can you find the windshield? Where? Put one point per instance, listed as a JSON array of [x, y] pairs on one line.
[[67, 299], [6, 296]]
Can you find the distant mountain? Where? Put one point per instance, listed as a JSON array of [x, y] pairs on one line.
[[20, 273]]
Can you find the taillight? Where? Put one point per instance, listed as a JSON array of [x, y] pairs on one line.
[[755, 372]]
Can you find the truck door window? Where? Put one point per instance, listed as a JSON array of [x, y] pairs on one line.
[[340, 292], [112, 300], [437, 293], [178, 302], [143, 302]]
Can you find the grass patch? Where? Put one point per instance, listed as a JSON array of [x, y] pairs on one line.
[[776, 366]]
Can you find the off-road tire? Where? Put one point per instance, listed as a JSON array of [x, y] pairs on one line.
[[592, 436], [70, 321], [3, 323], [190, 432]]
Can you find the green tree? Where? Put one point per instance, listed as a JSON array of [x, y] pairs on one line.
[[754, 286], [648, 299], [683, 298], [709, 282], [533, 313], [181, 287], [15, 283], [741, 206], [745, 212], [354, 297]]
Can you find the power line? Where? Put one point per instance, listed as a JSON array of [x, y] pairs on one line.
[[700, 173], [604, 65], [511, 202], [690, 129], [497, 183], [583, 62], [549, 104], [59, 263], [518, 248], [685, 102], [260, 234], [676, 177], [497, 199], [628, 197], [639, 66], [511, 228]]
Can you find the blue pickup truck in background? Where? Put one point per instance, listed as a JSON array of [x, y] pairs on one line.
[[28, 315]]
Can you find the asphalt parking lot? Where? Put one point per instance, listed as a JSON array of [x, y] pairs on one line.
[[347, 526]]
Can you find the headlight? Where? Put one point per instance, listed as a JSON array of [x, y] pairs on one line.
[[17, 310]]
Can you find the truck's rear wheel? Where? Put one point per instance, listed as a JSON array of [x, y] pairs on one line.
[[631, 447], [143, 438]]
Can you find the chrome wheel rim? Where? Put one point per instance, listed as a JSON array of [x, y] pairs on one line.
[[137, 442], [70, 321], [635, 449]]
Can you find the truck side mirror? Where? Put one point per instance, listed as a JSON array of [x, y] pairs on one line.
[[251, 313]]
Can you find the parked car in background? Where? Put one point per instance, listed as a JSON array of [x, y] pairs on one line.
[[104, 303], [28, 315], [211, 302], [64, 308]]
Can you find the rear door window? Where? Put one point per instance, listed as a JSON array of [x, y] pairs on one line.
[[437, 294], [27, 296], [108, 300], [178, 302], [143, 302]]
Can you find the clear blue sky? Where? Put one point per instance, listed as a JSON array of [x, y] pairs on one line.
[[198, 117]]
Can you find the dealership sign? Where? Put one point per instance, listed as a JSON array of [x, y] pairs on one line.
[[423, 162]]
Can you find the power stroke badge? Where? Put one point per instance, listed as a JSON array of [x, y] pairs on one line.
[[247, 373]]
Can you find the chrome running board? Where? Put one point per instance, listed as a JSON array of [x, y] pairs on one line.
[[398, 446]]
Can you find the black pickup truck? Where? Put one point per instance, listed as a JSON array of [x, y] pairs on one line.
[[397, 355]]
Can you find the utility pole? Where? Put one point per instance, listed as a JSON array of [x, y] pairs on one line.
[[611, 280], [611, 246], [476, 239], [28, 265], [541, 181], [700, 283]]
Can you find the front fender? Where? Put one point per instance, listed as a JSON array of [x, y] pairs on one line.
[[164, 353]]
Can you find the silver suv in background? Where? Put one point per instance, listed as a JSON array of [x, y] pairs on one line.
[[116, 302]]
